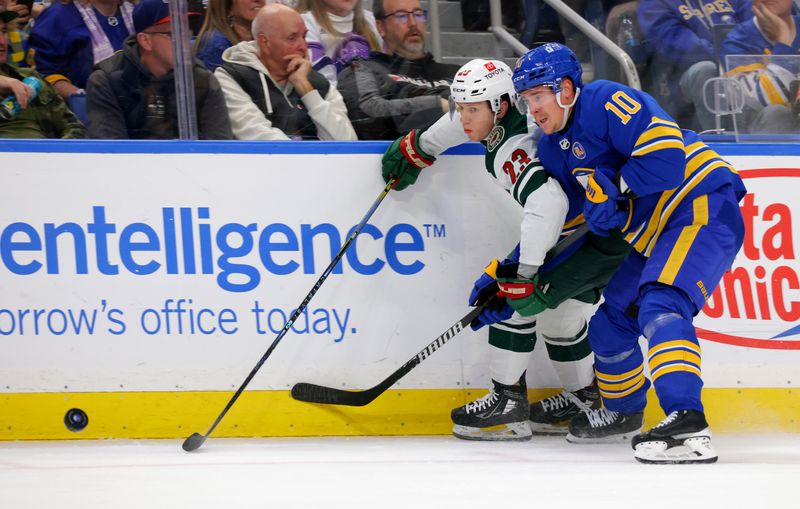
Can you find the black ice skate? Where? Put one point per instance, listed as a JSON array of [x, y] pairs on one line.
[[603, 426], [551, 416], [500, 415], [683, 437]]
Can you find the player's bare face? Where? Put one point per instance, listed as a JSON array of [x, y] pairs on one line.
[[477, 119], [543, 107]]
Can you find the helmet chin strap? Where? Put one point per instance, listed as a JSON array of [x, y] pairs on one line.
[[567, 108], [496, 105]]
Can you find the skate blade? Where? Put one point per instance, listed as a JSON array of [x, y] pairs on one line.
[[613, 439], [545, 429], [515, 431], [695, 449]]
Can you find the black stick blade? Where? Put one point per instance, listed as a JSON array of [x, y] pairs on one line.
[[193, 442], [312, 393]]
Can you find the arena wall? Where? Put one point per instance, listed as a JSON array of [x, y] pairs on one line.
[[141, 282]]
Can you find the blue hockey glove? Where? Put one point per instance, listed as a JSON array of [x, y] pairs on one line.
[[526, 296], [605, 209], [485, 290], [404, 160], [486, 286], [497, 310]]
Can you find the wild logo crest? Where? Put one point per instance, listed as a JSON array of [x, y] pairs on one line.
[[495, 137]]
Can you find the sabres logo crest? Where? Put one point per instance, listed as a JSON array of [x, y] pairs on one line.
[[578, 150]]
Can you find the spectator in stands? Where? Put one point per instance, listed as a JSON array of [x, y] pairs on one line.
[[681, 34], [539, 19], [132, 94], [18, 30], [43, 116], [338, 32], [227, 22], [615, 16], [70, 37], [271, 90], [391, 93], [766, 80]]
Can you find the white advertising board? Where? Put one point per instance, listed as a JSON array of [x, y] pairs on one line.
[[142, 272]]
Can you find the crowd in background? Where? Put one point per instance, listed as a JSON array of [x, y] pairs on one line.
[[358, 69]]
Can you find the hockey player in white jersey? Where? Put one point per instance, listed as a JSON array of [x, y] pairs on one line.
[[529, 298]]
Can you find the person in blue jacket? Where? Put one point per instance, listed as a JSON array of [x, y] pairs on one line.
[[681, 35], [676, 202], [227, 22], [70, 37], [773, 43]]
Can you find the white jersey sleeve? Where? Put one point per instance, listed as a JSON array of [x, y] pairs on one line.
[[443, 134], [544, 203]]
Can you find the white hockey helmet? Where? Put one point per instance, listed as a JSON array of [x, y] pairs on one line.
[[483, 80]]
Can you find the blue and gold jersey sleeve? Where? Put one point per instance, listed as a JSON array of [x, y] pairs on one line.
[[649, 141]]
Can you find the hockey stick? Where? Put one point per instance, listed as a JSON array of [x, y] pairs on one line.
[[195, 440], [313, 393], [331, 396]]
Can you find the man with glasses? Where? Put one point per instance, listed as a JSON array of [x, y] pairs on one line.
[[402, 88], [132, 94]]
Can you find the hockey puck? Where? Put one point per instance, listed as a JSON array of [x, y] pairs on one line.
[[76, 419]]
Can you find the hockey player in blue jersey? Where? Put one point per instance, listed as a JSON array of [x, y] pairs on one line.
[[544, 300], [685, 226]]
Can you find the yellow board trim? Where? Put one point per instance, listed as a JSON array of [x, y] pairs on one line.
[[39, 416]]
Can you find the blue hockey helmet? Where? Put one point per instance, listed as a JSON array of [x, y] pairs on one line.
[[547, 65]]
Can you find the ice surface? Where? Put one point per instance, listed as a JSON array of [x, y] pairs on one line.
[[391, 472]]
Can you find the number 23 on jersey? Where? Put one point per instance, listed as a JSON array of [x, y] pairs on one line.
[[518, 162]]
